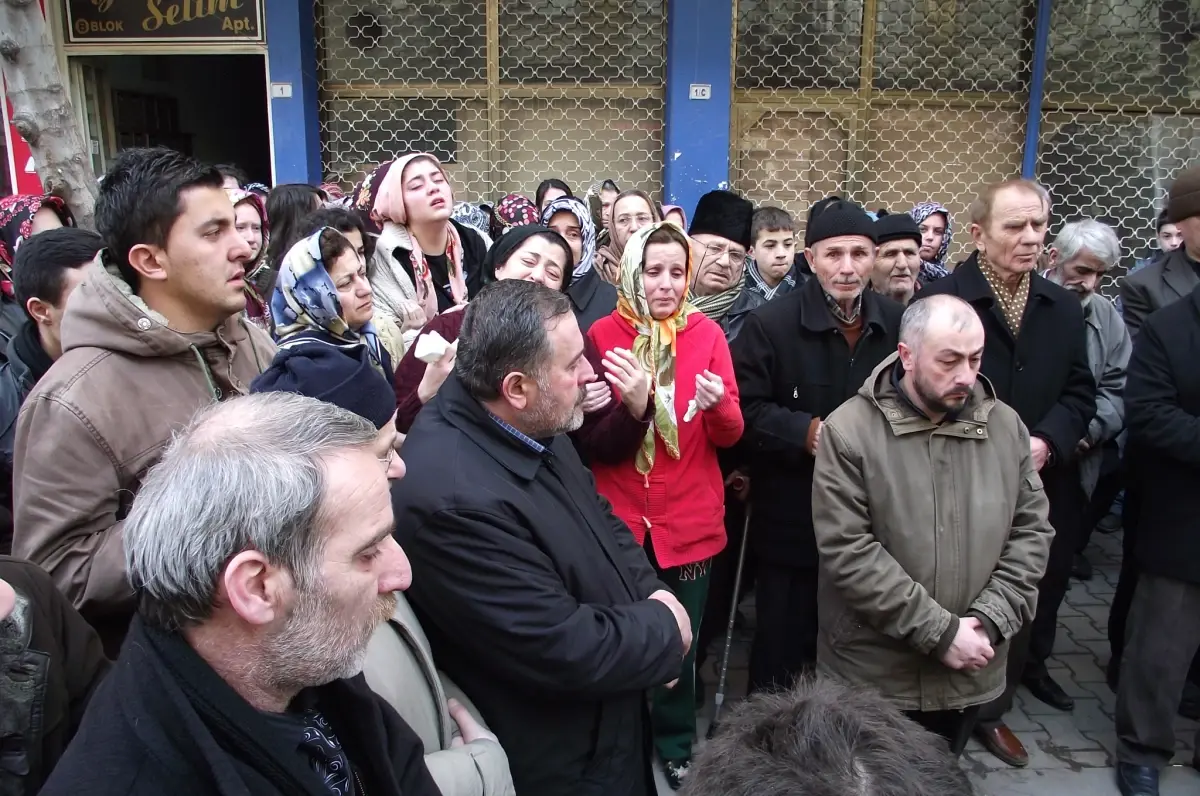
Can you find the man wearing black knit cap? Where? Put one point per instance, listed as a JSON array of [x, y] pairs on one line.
[[797, 359], [720, 234], [898, 259]]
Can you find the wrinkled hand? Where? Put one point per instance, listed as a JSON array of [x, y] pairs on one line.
[[739, 482], [624, 372], [971, 649], [436, 374], [1040, 451], [1083, 447], [596, 396], [816, 442], [469, 729], [710, 389], [412, 316], [608, 264], [681, 616]]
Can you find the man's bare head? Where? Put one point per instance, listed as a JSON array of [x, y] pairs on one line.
[[941, 349]]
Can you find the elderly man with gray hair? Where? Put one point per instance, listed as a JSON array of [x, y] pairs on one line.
[[1080, 256], [261, 549]]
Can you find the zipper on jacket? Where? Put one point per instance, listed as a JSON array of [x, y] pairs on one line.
[[359, 789], [646, 516]]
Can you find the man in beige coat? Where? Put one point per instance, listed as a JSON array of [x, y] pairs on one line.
[[931, 525], [154, 333]]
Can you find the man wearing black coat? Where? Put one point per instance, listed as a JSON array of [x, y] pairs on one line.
[[537, 600], [797, 359], [1162, 400], [1035, 355], [261, 548]]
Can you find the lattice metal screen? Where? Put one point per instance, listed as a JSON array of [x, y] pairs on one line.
[[900, 101], [505, 93]]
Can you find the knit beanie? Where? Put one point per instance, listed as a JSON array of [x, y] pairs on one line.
[[1183, 200], [724, 214], [340, 375], [895, 226], [837, 218]]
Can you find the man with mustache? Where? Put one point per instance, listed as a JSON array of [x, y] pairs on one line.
[[262, 553], [797, 359], [536, 598], [1035, 357], [917, 586], [898, 261]]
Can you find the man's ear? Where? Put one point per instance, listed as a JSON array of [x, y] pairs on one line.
[[518, 390], [907, 355], [254, 589], [148, 260], [39, 310]]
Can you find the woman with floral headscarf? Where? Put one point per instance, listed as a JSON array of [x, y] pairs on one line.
[[671, 493], [425, 262], [591, 297], [514, 210], [21, 217], [250, 220], [935, 239], [322, 297]]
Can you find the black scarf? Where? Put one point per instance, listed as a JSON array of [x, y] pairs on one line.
[[28, 347]]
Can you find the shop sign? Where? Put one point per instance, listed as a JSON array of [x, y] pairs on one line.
[[106, 21]]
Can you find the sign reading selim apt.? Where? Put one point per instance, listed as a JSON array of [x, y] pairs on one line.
[[96, 21]]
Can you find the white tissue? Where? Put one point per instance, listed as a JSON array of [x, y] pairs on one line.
[[431, 347], [692, 410]]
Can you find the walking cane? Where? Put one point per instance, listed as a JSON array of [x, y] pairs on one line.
[[719, 700]]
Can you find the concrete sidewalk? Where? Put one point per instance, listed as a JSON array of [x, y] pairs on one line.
[[1071, 754]]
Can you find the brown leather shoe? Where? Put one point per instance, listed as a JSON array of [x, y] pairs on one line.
[[1000, 741]]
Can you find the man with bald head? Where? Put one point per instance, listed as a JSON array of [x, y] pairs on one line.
[[931, 526]]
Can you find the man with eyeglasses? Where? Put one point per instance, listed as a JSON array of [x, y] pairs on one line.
[[720, 234], [797, 359]]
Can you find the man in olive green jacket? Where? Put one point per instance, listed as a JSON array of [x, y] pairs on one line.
[[931, 525]]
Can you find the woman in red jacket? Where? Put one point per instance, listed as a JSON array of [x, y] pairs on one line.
[[670, 493]]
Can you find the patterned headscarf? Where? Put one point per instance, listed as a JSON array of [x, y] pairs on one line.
[[258, 306], [513, 210], [16, 223], [473, 216], [365, 194], [587, 230], [306, 299], [935, 269], [387, 186], [655, 344]]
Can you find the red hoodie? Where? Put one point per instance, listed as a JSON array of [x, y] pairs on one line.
[[681, 502]]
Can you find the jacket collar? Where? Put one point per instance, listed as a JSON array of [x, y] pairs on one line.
[[1178, 272], [974, 287], [904, 418], [466, 414], [816, 317]]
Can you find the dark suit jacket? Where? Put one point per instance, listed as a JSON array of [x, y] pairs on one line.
[[1156, 286]]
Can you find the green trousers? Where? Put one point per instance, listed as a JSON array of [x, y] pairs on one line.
[[673, 711]]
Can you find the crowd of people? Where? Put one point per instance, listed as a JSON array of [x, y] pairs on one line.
[[378, 492]]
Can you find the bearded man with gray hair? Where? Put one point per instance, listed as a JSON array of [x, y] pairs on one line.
[[261, 550]]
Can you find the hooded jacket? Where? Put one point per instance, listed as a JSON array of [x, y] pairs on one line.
[[901, 563], [98, 420]]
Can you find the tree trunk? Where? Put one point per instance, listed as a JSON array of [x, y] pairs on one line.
[[42, 111]]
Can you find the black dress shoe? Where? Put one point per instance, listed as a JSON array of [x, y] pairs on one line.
[[1081, 569], [1044, 688], [1137, 780]]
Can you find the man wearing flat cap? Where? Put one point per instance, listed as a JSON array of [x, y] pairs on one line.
[[797, 359]]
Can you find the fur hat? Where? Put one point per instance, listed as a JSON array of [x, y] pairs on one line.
[[1183, 200], [724, 214]]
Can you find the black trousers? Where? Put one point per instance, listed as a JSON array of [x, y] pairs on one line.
[[1068, 503], [1164, 637], [1109, 485], [785, 642], [953, 725]]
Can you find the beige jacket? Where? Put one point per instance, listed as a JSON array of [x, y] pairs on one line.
[[98, 420], [399, 667], [918, 525]]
